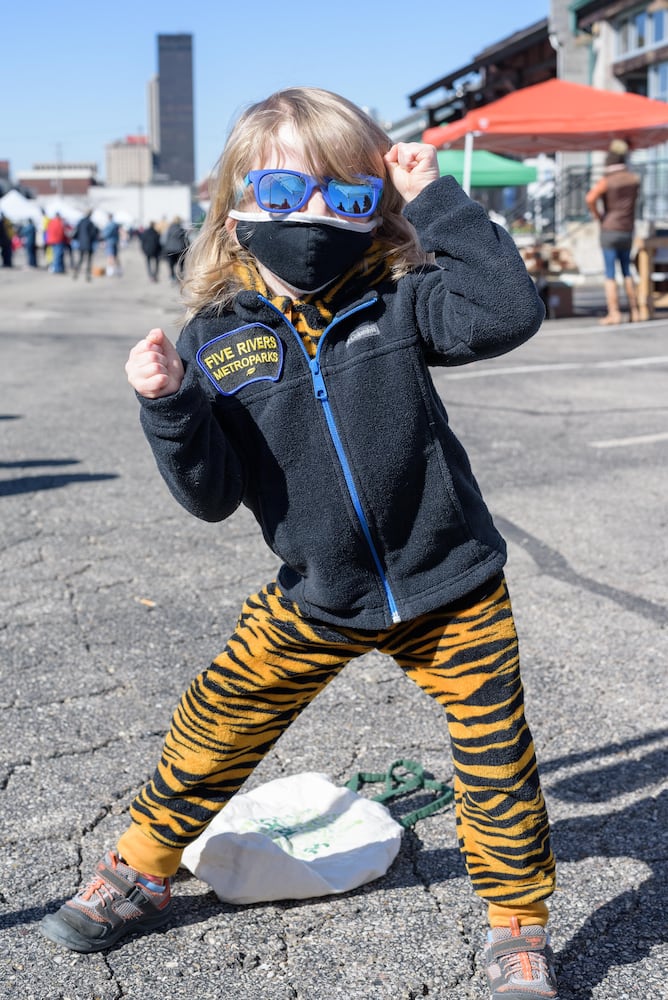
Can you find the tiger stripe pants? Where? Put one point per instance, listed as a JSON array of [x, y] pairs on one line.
[[276, 662]]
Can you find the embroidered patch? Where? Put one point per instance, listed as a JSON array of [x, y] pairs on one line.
[[246, 355]]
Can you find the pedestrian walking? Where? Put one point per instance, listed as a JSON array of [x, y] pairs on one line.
[[613, 202], [28, 234], [6, 234], [56, 239], [151, 247], [314, 309], [176, 243], [85, 236], [111, 234]]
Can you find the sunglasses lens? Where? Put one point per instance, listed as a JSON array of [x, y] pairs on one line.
[[352, 199], [279, 191], [287, 191]]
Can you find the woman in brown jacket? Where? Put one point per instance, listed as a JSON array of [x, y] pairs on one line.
[[612, 201]]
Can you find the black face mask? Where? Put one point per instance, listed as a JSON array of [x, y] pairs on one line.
[[305, 255]]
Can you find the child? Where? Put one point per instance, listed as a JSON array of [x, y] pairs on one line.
[[300, 387]]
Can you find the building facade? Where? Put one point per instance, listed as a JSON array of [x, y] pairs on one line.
[[522, 59], [129, 161], [627, 44], [153, 114], [176, 141], [618, 45], [4, 176], [59, 178]]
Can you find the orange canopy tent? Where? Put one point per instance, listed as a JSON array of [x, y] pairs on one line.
[[557, 116]]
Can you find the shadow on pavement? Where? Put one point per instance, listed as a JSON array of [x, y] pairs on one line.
[[551, 562], [39, 463], [35, 484], [625, 929]]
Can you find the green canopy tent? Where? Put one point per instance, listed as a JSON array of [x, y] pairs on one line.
[[487, 169]]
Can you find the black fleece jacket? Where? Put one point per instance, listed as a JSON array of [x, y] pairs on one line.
[[347, 460]]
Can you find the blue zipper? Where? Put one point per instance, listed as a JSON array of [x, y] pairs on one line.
[[320, 392]]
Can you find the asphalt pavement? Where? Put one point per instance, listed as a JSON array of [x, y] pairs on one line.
[[112, 598]]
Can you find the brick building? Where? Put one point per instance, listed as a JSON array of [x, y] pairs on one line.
[[59, 178]]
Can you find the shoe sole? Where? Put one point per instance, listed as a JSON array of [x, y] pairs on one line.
[[60, 932]]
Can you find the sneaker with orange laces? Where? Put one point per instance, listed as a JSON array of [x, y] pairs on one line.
[[519, 963], [118, 900]]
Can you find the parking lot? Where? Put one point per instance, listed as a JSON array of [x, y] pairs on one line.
[[113, 598]]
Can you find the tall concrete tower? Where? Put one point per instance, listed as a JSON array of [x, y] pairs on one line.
[[176, 155]]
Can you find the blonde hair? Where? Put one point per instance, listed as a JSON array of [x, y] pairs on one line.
[[619, 147], [339, 140]]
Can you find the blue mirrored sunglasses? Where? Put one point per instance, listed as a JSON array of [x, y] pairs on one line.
[[281, 191]]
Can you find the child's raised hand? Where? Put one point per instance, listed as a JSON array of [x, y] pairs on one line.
[[154, 368], [412, 165]]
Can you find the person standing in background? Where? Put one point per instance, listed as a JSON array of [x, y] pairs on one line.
[[176, 244], [111, 235], [613, 202], [43, 230], [28, 234], [6, 233], [151, 245], [85, 235], [56, 239]]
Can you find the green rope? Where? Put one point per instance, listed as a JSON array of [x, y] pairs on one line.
[[403, 778]]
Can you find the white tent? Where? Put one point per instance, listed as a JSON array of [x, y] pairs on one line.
[[17, 208], [71, 210], [101, 217]]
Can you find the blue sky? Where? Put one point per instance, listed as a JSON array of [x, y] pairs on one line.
[[73, 75]]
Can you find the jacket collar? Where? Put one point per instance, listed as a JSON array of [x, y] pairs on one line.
[[256, 303]]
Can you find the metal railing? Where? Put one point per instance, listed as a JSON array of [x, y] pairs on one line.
[[652, 200], [565, 205]]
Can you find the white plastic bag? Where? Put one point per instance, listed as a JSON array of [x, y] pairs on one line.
[[294, 838]]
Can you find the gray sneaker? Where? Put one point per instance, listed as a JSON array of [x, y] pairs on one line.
[[519, 963], [118, 900]]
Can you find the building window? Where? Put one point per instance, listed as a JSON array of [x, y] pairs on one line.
[[658, 82], [640, 31]]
